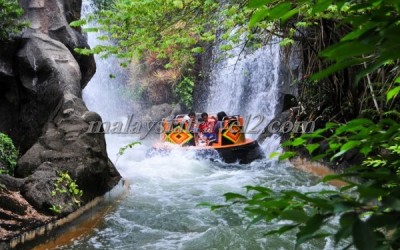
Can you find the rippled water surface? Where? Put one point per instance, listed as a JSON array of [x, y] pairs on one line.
[[161, 210]]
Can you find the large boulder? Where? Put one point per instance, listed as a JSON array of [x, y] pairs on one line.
[[67, 147], [9, 89], [46, 70], [52, 17], [41, 81]]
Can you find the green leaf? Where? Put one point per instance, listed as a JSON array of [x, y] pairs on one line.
[[258, 16], [91, 29], [78, 23], [321, 5], [298, 141], [363, 236], [392, 93], [259, 189], [178, 4], [349, 145], [205, 204], [296, 215], [319, 157], [279, 11], [286, 155], [289, 14], [234, 196], [273, 155], [346, 222], [332, 69], [85, 52], [130, 145], [370, 192], [258, 3], [346, 147], [307, 231], [346, 50], [340, 207], [282, 229], [198, 50], [312, 147]]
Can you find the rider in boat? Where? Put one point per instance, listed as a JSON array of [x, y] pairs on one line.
[[207, 129], [189, 122]]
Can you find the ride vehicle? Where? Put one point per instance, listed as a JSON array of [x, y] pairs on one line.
[[230, 140]]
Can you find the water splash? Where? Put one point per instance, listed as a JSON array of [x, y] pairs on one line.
[[161, 211], [103, 92], [247, 83]]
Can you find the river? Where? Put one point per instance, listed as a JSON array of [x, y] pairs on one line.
[[161, 208]]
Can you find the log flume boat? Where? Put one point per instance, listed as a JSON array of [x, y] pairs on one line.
[[229, 139]]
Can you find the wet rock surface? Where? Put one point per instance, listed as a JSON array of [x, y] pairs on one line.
[[41, 108]]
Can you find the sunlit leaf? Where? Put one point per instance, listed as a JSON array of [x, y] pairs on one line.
[[312, 147], [392, 93]]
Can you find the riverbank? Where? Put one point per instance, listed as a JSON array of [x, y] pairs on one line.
[[37, 227], [316, 168]]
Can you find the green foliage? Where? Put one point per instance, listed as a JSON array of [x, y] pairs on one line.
[[368, 206], [57, 209], [156, 26], [177, 30], [130, 145], [65, 185], [9, 23], [184, 90], [103, 4], [372, 39], [392, 93], [8, 154]]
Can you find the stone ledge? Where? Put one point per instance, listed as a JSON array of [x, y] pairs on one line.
[[43, 233]]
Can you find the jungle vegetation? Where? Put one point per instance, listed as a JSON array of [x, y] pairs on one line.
[[350, 52], [9, 22]]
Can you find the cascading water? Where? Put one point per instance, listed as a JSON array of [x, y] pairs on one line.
[[103, 94], [160, 211], [247, 83]]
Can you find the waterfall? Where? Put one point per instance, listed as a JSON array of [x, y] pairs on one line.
[[104, 92], [247, 83], [160, 211]]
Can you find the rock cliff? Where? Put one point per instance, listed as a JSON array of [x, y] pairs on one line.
[[41, 108]]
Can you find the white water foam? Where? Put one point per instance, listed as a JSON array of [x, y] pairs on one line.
[[161, 210], [103, 92], [247, 84]]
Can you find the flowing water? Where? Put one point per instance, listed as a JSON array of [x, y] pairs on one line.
[[161, 210], [246, 83]]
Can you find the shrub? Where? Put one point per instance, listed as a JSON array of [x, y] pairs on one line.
[[8, 154], [9, 14]]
